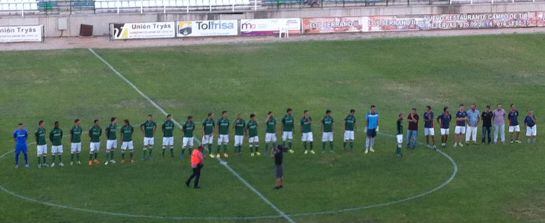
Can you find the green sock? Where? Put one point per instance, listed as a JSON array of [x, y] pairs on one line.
[[171, 152], [266, 147], [331, 145], [310, 145], [305, 145], [52, 158], [96, 155], [90, 156], [144, 154], [163, 153], [344, 145], [351, 145], [44, 160], [39, 161], [149, 152], [123, 155], [60, 158], [131, 155], [71, 157], [77, 156], [323, 146], [111, 155], [290, 144]]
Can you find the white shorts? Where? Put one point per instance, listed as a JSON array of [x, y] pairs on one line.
[[41, 150], [75, 147], [287, 136], [270, 137], [223, 139], [515, 128], [531, 131], [239, 140], [307, 137], [187, 142], [348, 135], [56, 149], [149, 141], [254, 139], [460, 130], [127, 145], [207, 139], [327, 136], [111, 144], [445, 132], [429, 131], [94, 147], [399, 139], [168, 141]]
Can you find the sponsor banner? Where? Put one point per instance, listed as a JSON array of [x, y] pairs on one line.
[[143, 30], [537, 19], [396, 23], [207, 28], [479, 21], [11, 34], [335, 24], [268, 27]]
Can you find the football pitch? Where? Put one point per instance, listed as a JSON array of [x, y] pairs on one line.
[[476, 183]]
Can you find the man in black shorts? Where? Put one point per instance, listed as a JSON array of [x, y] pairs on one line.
[[278, 153]]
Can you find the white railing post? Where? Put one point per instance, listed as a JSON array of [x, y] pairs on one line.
[[233, 7], [471, 2], [118, 4], [141, 6], [22, 9], [164, 7], [255, 5], [187, 6], [210, 5], [492, 1]]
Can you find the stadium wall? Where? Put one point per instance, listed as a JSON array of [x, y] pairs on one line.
[[100, 22]]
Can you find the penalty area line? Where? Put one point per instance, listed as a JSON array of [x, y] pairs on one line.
[[222, 162]]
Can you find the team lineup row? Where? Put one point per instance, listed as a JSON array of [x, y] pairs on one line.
[[466, 123]]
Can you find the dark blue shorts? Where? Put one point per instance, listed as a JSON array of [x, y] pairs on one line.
[[371, 132], [21, 148]]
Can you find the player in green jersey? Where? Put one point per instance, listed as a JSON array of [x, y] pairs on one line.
[[126, 137], [41, 144], [187, 142], [111, 142], [270, 132], [253, 138], [287, 130], [168, 135], [306, 129], [55, 136], [239, 126], [349, 127], [223, 134], [399, 136], [327, 131], [148, 128], [75, 142], [208, 126], [94, 146]]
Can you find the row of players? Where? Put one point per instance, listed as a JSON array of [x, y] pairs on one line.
[[465, 120]]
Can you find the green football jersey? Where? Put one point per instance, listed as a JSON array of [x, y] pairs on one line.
[[188, 129], [223, 126], [111, 131], [75, 134], [287, 123], [252, 128], [349, 122], [239, 127], [208, 125], [168, 128], [55, 136], [95, 132], [40, 136], [327, 123], [149, 128], [399, 127], [271, 125], [126, 133], [306, 124]]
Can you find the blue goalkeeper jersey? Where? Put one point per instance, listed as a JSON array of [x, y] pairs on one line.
[[20, 136]]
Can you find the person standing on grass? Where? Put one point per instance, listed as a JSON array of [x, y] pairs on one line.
[[208, 126], [127, 144], [111, 142], [148, 128], [349, 127], [412, 130], [371, 121], [514, 127], [223, 134], [278, 155], [288, 123], [473, 119], [20, 136], [486, 116], [75, 142], [531, 127], [187, 140], [429, 130], [460, 130], [41, 144], [270, 131], [253, 137], [168, 135], [55, 136], [240, 128], [94, 145], [327, 131], [197, 163], [499, 124], [444, 123], [399, 136], [306, 129]]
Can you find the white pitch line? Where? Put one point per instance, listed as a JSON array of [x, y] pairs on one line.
[[252, 188]]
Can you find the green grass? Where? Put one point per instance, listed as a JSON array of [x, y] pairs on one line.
[[500, 183]]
